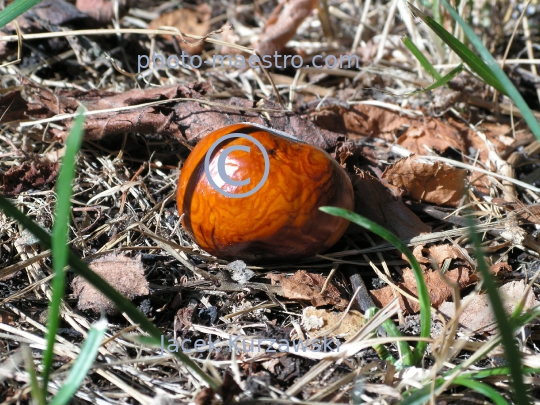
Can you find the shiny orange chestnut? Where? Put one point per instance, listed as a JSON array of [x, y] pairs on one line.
[[281, 220]]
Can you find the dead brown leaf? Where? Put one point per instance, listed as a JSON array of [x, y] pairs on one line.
[[418, 135], [125, 274], [504, 268], [478, 317], [361, 120], [374, 201], [27, 176], [418, 253], [444, 251], [322, 320], [195, 21], [282, 25], [307, 286], [6, 317], [432, 182], [435, 134], [364, 120], [187, 121], [438, 290], [184, 317], [529, 213]]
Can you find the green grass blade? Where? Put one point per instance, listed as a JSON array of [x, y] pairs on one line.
[[423, 295], [15, 9], [507, 84], [60, 237], [504, 323], [89, 351], [122, 303], [483, 389], [518, 320], [441, 82], [422, 395], [392, 331], [426, 64], [490, 372], [469, 57]]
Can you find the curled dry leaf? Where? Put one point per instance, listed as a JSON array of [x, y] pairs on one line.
[[282, 25], [27, 176], [478, 316], [126, 275], [361, 120], [374, 201], [307, 286], [321, 320], [442, 252], [437, 252], [187, 121], [194, 21], [432, 182], [416, 134], [418, 253], [438, 290]]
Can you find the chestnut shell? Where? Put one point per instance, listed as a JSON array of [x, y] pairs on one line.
[[279, 222]]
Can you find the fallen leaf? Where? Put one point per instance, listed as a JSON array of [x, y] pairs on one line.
[[322, 320], [444, 251], [184, 318], [27, 176], [529, 213], [307, 286], [361, 120], [102, 11], [186, 121], [123, 273], [271, 364], [502, 267], [418, 253], [194, 21], [374, 201], [438, 290], [6, 317], [432, 182], [478, 316], [47, 13], [435, 134], [282, 25], [500, 135], [416, 134], [13, 107]]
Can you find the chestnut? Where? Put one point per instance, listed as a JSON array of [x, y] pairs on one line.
[[263, 205]]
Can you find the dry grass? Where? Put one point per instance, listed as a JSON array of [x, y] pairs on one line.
[[124, 197]]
